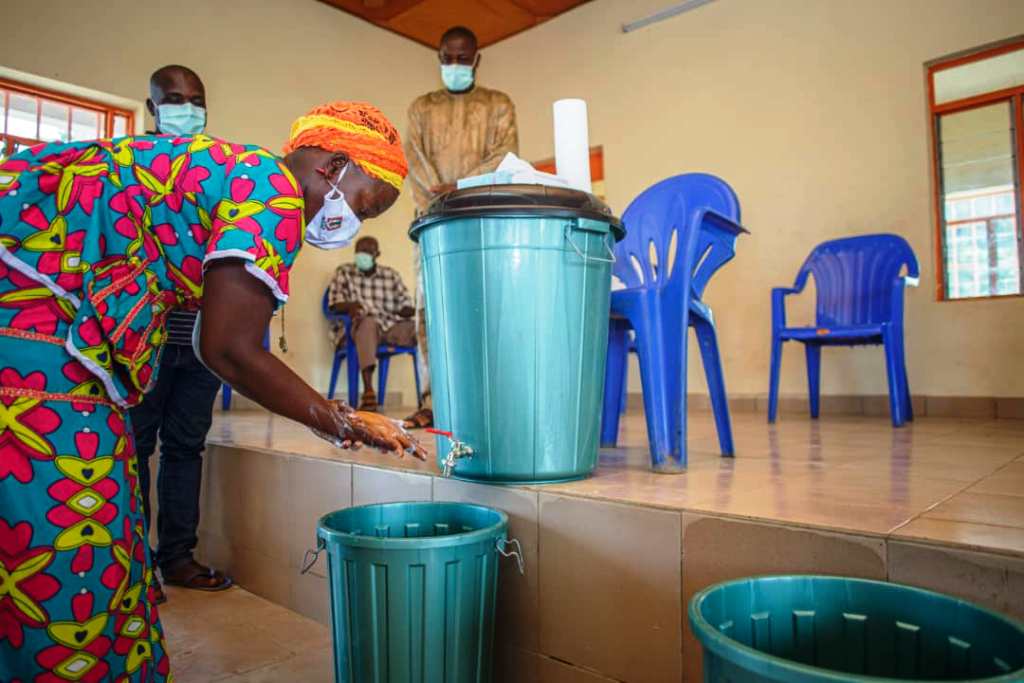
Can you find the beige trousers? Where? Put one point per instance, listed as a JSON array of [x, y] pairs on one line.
[[368, 335]]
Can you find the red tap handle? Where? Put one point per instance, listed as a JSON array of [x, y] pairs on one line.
[[439, 432]]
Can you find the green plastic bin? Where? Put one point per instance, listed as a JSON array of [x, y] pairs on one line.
[[413, 590], [517, 281], [811, 629]]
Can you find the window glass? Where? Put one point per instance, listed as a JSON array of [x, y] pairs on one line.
[[85, 124], [21, 117], [978, 161], [53, 121], [979, 77]]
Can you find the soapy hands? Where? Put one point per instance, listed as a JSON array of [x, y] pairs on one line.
[[347, 428], [374, 429]]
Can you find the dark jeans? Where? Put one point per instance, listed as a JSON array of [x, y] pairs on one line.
[[180, 409]]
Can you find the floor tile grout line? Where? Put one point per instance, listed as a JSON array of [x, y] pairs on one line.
[[1000, 553], [683, 607], [537, 535], [770, 521], [928, 509], [963, 521]]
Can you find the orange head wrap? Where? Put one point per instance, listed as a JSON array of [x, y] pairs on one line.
[[360, 130]]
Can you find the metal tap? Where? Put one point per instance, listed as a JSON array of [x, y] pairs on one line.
[[458, 450]]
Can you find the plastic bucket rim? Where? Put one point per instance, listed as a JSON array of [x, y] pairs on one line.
[[334, 537], [420, 225], [738, 653]]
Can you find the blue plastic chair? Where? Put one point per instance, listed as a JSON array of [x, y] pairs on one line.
[[701, 214], [860, 287], [384, 355], [225, 389]]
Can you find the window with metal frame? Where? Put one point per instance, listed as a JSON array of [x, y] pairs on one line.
[[976, 100], [30, 115]]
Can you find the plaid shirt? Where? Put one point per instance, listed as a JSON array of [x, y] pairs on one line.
[[382, 294]]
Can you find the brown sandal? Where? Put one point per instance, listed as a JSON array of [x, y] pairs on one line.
[[421, 419], [194, 576]]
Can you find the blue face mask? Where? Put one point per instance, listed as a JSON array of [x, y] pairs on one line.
[[457, 77], [364, 261], [181, 119]]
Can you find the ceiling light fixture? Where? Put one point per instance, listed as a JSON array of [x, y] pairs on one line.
[[664, 14]]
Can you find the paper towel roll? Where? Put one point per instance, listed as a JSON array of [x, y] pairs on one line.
[[572, 143]]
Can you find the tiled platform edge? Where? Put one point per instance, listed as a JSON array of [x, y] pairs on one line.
[[606, 584]]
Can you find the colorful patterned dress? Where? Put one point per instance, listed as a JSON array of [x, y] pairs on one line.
[[98, 241]]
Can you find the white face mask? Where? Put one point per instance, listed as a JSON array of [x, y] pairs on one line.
[[335, 224]]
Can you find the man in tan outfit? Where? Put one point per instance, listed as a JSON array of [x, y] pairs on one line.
[[461, 130]]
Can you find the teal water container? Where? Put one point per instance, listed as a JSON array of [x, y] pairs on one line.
[[826, 629], [413, 589], [517, 281]]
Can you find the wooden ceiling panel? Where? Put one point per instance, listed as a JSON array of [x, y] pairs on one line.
[[425, 20], [491, 22], [375, 11], [545, 9]]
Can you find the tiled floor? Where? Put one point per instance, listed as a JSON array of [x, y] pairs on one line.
[[237, 637], [939, 480]]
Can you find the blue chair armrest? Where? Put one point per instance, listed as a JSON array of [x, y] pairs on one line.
[[898, 289], [723, 223], [779, 295]]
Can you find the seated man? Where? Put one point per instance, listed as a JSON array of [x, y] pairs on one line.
[[381, 310]]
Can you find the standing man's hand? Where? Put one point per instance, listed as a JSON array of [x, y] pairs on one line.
[[443, 188]]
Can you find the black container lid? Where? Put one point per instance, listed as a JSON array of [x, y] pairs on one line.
[[515, 201]]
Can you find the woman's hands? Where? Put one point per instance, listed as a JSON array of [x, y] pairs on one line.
[[356, 428], [374, 429]]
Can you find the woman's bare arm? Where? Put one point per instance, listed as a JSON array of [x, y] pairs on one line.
[[236, 311]]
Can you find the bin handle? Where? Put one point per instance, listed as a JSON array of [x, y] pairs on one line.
[[311, 556], [572, 243], [516, 552], [308, 563]]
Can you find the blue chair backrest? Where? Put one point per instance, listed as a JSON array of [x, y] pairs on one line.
[[668, 211], [332, 316], [855, 277]]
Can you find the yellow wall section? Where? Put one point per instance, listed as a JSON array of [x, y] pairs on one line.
[[814, 110]]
